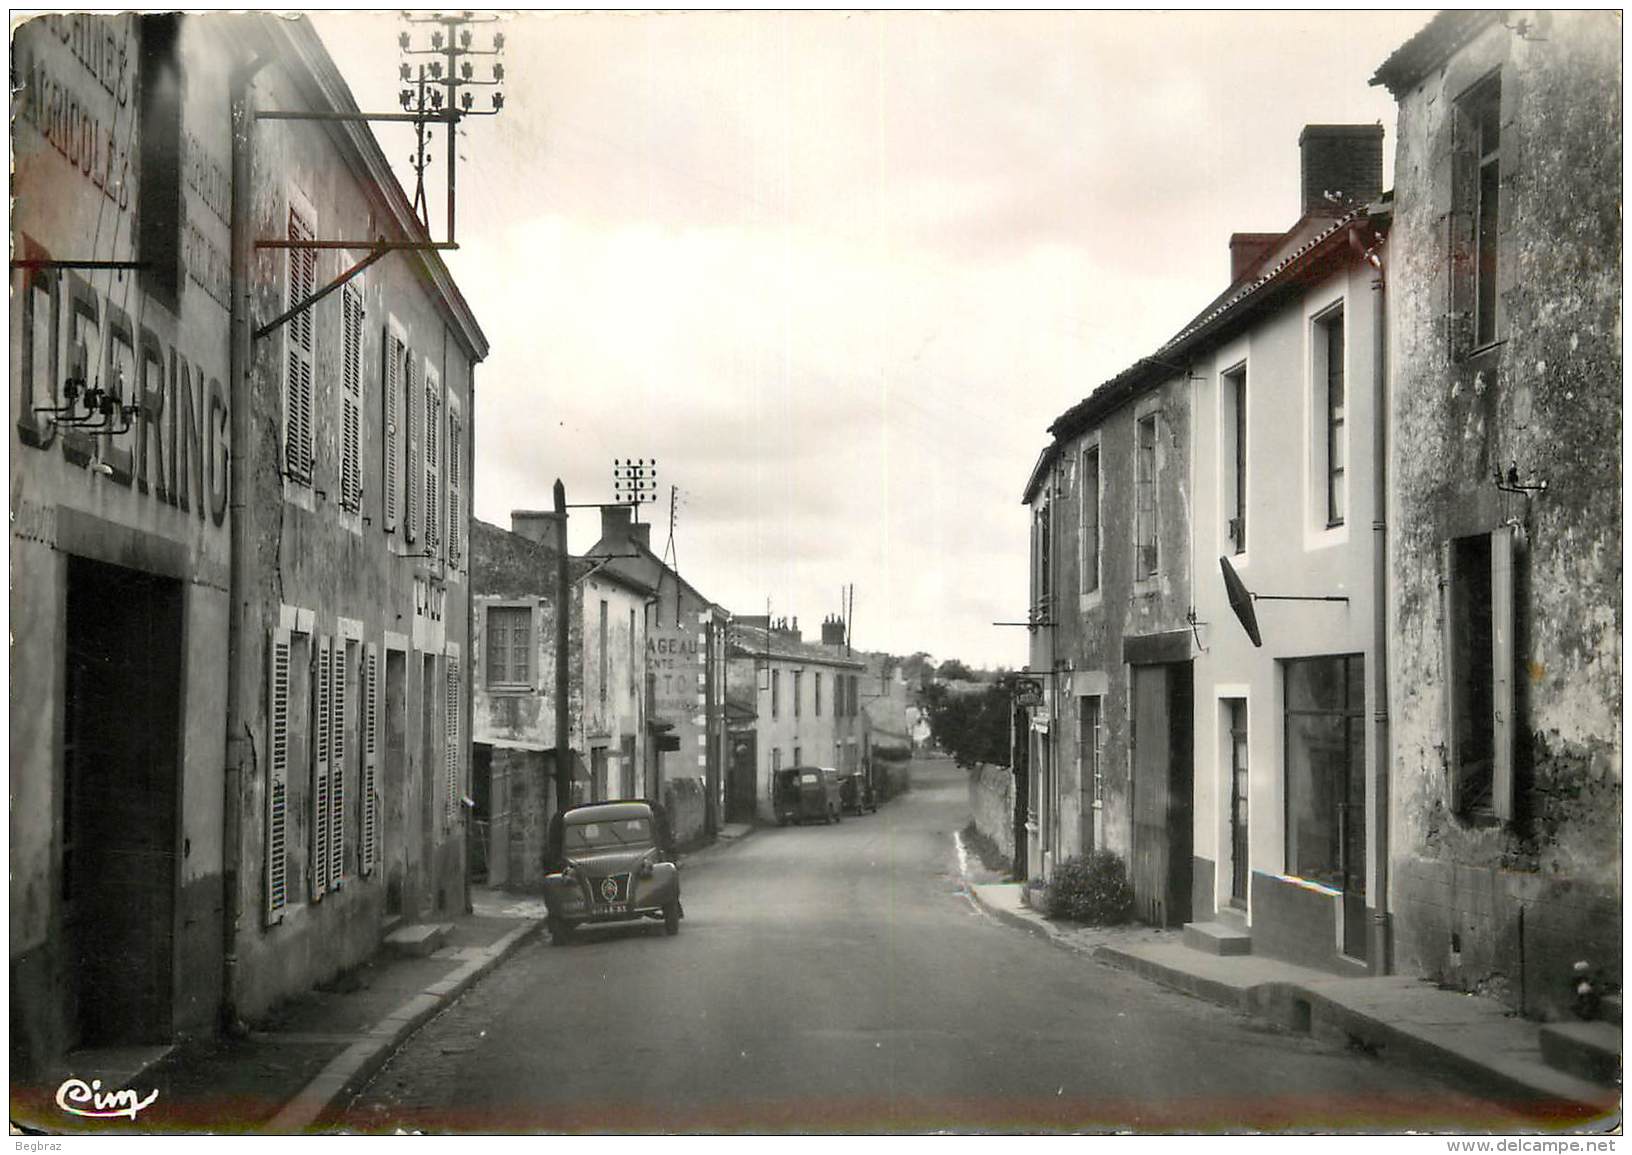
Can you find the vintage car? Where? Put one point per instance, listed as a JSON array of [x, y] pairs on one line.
[[806, 792], [856, 793], [610, 862]]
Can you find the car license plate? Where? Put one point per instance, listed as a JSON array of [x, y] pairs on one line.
[[612, 908]]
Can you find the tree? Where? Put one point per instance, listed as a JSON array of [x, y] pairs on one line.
[[953, 670], [971, 726]]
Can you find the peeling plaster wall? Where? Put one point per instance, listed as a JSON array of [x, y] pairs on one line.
[[1091, 628], [1549, 399]]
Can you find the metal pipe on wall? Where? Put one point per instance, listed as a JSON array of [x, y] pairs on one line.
[[1379, 948]]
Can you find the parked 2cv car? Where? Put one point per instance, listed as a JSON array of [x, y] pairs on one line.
[[806, 793], [611, 862]]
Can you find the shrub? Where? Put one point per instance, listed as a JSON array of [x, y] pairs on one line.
[[1092, 889]]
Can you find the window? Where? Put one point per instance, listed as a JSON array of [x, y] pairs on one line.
[[1144, 510], [351, 397], [1479, 663], [433, 466], [392, 421], [1091, 748], [776, 760], [1477, 195], [632, 666], [161, 220], [1233, 457], [1088, 534], [1325, 771], [1041, 562], [509, 646], [328, 783], [298, 371], [456, 447], [818, 695], [776, 693], [1331, 450], [1235, 722], [602, 655], [798, 755], [413, 412], [798, 692]]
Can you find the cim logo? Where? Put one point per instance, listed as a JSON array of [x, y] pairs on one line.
[[91, 1102]]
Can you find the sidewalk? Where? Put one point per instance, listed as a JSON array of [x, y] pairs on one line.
[[313, 1052], [1470, 1039]]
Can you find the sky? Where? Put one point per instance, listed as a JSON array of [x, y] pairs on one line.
[[837, 273]]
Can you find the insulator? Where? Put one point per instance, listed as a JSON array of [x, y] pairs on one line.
[[498, 42], [498, 101], [498, 71]]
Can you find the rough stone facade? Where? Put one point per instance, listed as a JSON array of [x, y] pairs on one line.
[[991, 805], [1508, 905]]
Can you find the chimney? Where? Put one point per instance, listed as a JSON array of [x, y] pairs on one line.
[[1247, 250], [641, 531], [1340, 158], [833, 631], [615, 523], [535, 525]]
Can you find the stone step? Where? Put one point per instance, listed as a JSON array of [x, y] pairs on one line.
[[419, 940], [1586, 1050], [1218, 937]]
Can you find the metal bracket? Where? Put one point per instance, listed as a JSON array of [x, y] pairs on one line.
[[302, 306], [41, 263]]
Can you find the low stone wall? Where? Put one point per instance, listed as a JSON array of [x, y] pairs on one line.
[[991, 805], [685, 799]]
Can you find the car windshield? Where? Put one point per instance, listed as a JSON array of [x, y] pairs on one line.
[[604, 835]]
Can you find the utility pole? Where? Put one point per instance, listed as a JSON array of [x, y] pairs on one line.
[[563, 610]]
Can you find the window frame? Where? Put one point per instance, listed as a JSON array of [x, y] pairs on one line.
[[1147, 521], [1329, 490], [1477, 217], [1501, 545], [1090, 523], [526, 610], [300, 276], [1234, 447]]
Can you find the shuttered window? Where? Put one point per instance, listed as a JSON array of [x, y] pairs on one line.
[[451, 762], [509, 640], [433, 465], [392, 419], [368, 847], [277, 785], [302, 278], [410, 472], [351, 398], [322, 693]]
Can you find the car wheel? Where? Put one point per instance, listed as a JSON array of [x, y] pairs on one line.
[[671, 917], [560, 931], [838, 815]]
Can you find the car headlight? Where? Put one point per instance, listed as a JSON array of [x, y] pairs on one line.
[[645, 868]]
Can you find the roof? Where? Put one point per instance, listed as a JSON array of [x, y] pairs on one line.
[[297, 41], [757, 642], [624, 564], [1309, 251], [1431, 47], [491, 546]]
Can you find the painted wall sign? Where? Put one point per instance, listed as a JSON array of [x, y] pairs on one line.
[[176, 449], [80, 125], [675, 658]]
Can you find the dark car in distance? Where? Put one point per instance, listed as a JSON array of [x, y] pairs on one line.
[[856, 793], [610, 862], [804, 793]]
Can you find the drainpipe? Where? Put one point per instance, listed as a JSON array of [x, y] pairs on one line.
[[241, 755], [1379, 948]]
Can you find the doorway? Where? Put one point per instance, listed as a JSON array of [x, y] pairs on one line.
[[739, 801], [1163, 777], [393, 781], [120, 790], [1235, 717]]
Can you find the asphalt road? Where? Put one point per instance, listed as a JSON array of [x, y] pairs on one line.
[[838, 979]]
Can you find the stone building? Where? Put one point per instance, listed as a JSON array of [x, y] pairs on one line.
[[514, 575], [1505, 601], [805, 702], [240, 588]]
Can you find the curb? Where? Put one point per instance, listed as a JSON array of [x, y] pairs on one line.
[[348, 1071], [1273, 1002]]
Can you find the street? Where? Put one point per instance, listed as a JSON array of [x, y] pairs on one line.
[[836, 979]]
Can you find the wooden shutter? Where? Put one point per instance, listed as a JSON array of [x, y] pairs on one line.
[[298, 381], [433, 429], [1450, 671], [368, 842], [390, 469], [277, 780], [322, 685], [454, 454], [451, 772], [351, 398], [1502, 659], [410, 472], [337, 764]]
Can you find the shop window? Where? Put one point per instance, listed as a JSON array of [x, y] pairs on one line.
[[509, 638], [1325, 771], [1146, 556], [1479, 674], [160, 218], [1088, 531], [1233, 457]]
